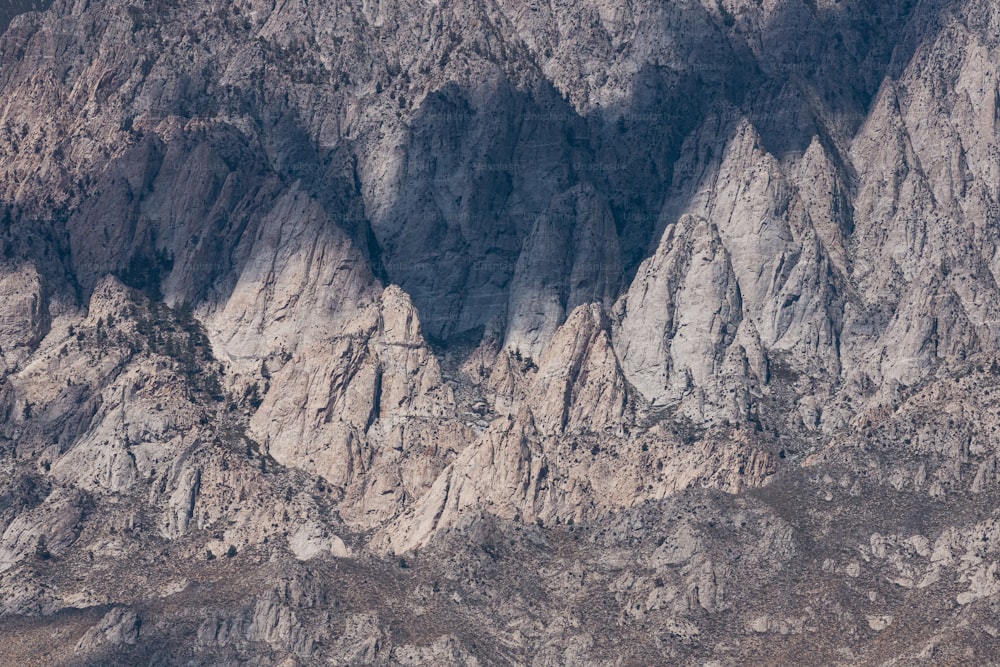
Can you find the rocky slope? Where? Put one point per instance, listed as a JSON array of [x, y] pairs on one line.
[[499, 333]]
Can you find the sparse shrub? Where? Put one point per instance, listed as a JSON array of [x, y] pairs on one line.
[[42, 549]]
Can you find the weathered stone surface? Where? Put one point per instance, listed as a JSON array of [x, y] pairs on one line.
[[504, 333]]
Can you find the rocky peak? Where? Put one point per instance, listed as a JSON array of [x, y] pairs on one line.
[[325, 327]]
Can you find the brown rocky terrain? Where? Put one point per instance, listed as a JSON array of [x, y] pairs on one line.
[[499, 333]]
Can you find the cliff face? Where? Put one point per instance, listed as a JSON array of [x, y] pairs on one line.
[[499, 333]]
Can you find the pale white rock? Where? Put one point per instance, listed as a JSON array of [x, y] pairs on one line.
[[24, 316], [50, 528], [879, 623], [118, 626], [311, 540]]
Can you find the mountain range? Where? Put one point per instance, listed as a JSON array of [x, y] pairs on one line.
[[503, 332]]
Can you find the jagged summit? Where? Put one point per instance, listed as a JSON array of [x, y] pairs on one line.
[[499, 333]]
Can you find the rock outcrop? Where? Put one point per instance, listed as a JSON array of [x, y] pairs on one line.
[[504, 333]]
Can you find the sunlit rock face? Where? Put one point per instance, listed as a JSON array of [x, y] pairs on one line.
[[516, 332]]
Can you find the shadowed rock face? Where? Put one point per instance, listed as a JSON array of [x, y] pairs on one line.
[[9, 9], [517, 332]]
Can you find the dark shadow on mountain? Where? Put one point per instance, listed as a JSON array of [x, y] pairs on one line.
[[472, 202], [179, 218], [475, 179], [9, 9], [819, 70]]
